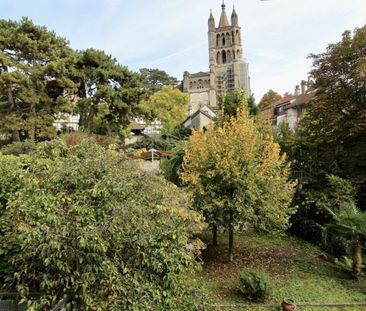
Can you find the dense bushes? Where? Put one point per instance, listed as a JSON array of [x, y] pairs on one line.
[[255, 285], [88, 222]]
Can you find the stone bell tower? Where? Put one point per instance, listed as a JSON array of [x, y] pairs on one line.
[[229, 71]]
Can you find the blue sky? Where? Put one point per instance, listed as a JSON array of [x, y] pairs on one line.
[[171, 35]]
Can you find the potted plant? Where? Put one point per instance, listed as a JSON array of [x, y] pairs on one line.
[[288, 305]]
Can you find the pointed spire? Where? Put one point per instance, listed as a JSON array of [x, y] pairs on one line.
[[224, 22], [234, 17], [211, 22], [211, 16]]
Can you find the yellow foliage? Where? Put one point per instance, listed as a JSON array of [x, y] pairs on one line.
[[237, 166]]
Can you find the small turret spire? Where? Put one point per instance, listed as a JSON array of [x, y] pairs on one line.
[[211, 22], [234, 17]]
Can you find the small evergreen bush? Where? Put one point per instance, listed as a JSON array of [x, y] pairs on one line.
[[255, 284]]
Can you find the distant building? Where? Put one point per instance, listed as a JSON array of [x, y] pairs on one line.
[[289, 109], [67, 122], [229, 71], [200, 119]]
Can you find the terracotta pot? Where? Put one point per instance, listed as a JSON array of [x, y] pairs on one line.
[[288, 305]]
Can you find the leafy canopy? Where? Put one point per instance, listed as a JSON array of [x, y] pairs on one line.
[[169, 105], [108, 92], [153, 80], [269, 98], [35, 79], [89, 223], [237, 174]]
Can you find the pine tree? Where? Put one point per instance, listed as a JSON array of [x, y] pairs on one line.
[[35, 66], [107, 90]]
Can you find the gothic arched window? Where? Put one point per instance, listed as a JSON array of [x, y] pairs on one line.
[[228, 56], [233, 36], [228, 41], [223, 57], [217, 40], [218, 58]]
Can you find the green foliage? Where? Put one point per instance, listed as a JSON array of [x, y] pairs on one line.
[[89, 223], [335, 122], [344, 263], [158, 144], [9, 185], [169, 105], [171, 168], [316, 207], [252, 106], [35, 79], [18, 148], [153, 80], [255, 285], [230, 103], [108, 92]]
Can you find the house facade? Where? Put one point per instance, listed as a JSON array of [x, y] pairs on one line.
[[289, 109]]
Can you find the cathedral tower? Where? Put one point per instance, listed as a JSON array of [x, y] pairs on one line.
[[228, 69]]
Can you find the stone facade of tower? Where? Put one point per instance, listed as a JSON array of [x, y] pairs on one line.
[[229, 71]]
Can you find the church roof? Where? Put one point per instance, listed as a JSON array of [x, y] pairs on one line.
[[224, 22], [199, 74]]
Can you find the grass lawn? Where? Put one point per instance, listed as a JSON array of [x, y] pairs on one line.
[[295, 267]]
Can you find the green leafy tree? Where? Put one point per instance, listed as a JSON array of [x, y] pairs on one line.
[[269, 98], [335, 122], [252, 106], [108, 92], [92, 226], [35, 84], [153, 80], [237, 175], [169, 105], [229, 103], [171, 168], [348, 221]]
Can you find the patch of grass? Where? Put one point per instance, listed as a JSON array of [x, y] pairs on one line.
[[295, 267]]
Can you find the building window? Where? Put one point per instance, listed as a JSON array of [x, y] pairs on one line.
[[200, 84], [218, 58], [223, 57]]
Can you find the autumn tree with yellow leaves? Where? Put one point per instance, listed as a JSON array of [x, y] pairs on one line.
[[238, 176]]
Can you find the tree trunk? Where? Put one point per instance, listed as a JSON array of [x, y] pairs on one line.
[[231, 236], [90, 119], [15, 132], [214, 235], [32, 130], [356, 258]]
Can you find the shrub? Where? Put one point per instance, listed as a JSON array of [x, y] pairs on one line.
[[75, 138], [255, 285], [88, 222], [18, 148]]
